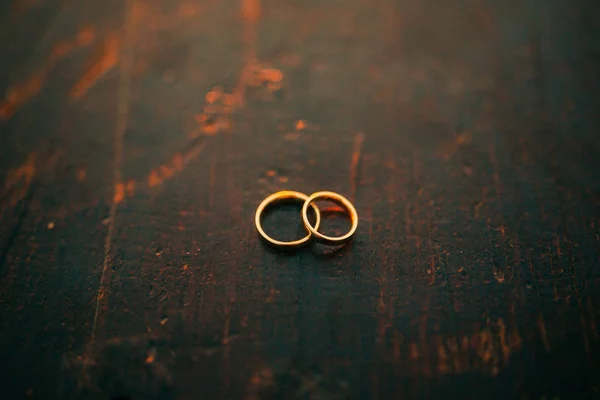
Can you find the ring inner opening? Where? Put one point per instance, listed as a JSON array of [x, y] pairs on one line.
[[335, 219], [282, 220]]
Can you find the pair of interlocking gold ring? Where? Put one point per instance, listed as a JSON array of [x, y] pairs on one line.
[[312, 230]]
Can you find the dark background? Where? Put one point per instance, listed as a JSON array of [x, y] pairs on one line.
[[464, 131]]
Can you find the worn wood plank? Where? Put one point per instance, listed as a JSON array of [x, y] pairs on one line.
[[138, 137]]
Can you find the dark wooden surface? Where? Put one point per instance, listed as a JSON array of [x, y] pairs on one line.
[[138, 137]]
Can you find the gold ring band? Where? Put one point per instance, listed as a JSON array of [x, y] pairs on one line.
[[284, 195], [337, 198]]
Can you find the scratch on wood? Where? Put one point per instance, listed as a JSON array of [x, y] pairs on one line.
[[154, 179], [592, 316], [477, 208], [18, 95], [130, 188], [253, 72], [452, 344], [99, 66], [22, 5], [424, 344], [515, 338], [256, 74], [263, 378], [370, 219], [414, 351], [123, 96], [251, 11], [398, 339], [217, 113], [503, 342], [442, 357], [162, 173], [454, 354], [542, 328], [486, 346], [18, 181], [586, 340], [119, 193], [14, 232], [177, 164], [212, 180], [464, 348], [355, 161], [227, 323]]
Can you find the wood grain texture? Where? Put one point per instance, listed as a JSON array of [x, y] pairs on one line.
[[138, 137]]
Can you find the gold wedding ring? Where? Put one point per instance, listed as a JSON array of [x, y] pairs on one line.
[[312, 230], [339, 199], [279, 196]]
